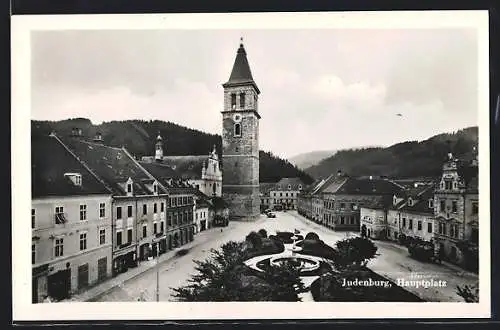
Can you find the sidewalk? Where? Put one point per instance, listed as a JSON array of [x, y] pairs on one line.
[[102, 288]]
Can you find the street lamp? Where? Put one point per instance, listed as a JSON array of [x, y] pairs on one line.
[[157, 269]]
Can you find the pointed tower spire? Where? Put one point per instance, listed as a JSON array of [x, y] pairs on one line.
[[159, 148], [241, 73]]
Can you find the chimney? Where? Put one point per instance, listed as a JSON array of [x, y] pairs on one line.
[[98, 137]]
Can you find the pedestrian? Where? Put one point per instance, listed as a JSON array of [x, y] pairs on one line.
[[221, 230]]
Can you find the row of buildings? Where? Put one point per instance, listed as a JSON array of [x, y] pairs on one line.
[[443, 211], [97, 211], [280, 195]]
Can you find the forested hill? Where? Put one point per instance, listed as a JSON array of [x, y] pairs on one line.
[[403, 160], [139, 137]]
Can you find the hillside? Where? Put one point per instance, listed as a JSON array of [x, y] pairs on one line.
[[402, 160], [139, 136], [309, 159]]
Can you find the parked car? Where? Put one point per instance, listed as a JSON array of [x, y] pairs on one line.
[[271, 215]]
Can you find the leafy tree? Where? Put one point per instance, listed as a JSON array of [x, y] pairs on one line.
[[254, 239], [354, 252], [312, 236], [224, 277], [470, 294]]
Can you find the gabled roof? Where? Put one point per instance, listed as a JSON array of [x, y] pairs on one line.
[[112, 165], [241, 73], [50, 160], [420, 200], [382, 203], [189, 167], [355, 186]]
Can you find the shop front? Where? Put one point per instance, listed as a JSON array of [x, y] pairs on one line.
[[124, 259]]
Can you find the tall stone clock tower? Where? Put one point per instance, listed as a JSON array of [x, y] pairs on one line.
[[240, 141]]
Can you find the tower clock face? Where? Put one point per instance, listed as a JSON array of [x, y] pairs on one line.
[[237, 118]]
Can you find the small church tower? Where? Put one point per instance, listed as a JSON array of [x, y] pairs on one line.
[[240, 141], [159, 148]]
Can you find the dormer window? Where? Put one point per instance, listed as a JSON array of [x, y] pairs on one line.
[[300, 187], [76, 178], [155, 188], [431, 203], [129, 187], [441, 185], [289, 187], [410, 202], [455, 185]]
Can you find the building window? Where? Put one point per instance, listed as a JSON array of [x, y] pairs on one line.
[[431, 203], [342, 220], [410, 223], [33, 254], [144, 209], [129, 187], [353, 206], [242, 100], [454, 231], [59, 247], [169, 218], [118, 238], [233, 101], [176, 219], [179, 201], [155, 227], [454, 206], [342, 206], [60, 215], [129, 235], [475, 208], [32, 218], [129, 211], [162, 207], [237, 129], [442, 228], [442, 205], [419, 225], [455, 185], [83, 241], [102, 236], [161, 227], [144, 231], [155, 208], [102, 210], [447, 185], [155, 188], [410, 202], [404, 222], [83, 212], [119, 212], [429, 227]]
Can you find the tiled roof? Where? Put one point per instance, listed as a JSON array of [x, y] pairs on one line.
[[50, 160], [318, 188], [420, 200], [168, 177], [113, 165], [334, 184], [382, 203], [189, 167], [356, 186], [294, 184]]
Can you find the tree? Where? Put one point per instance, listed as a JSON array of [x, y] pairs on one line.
[[312, 236], [262, 233], [254, 239], [285, 282], [470, 294], [354, 252], [224, 277]]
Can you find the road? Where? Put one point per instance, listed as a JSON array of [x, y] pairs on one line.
[[392, 261]]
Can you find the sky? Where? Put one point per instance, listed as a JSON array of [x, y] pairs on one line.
[[326, 89]]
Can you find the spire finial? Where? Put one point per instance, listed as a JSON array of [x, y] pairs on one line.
[[241, 41]]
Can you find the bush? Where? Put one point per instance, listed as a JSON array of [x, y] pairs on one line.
[[262, 233], [254, 239], [317, 249], [312, 236], [354, 252]]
